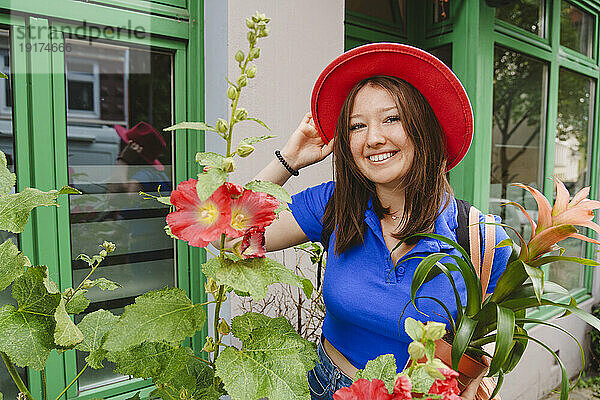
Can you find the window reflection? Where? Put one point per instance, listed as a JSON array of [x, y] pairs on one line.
[[576, 29], [441, 10], [393, 11], [119, 99], [525, 14], [518, 123], [573, 124], [7, 386]]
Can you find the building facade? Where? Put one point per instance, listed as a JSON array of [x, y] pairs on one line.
[[84, 75]]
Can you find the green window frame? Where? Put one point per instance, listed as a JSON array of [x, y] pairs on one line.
[[39, 95]]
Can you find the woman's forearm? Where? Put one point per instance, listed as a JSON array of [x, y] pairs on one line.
[[274, 172]]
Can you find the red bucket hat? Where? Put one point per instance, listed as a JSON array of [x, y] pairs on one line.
[[430, 76], [146, 136]]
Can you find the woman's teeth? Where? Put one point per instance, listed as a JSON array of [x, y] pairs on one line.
[[381, 157]]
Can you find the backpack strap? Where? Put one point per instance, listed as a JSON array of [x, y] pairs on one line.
[[462, 231]]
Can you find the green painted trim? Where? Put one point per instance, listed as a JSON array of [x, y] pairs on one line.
[[12, 19], [533, 49], [361, 33], [175, 3], [373, 23], [104, 16], [159, 8], [519, 33], [578, 62], [440, 28], [119, 390]]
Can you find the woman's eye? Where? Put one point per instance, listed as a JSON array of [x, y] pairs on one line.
[[356, 126], [394, 118]]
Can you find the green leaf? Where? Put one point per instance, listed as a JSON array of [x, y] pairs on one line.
[[382, 368], [164, 200], [258, 121], [27, 333], [68, 190], [16, 207], [537, 279], [549, 259], [272, 362], [158, 361], [78, 302], [196, 378], [413, 328], [12, 263], [4, 76], [504, 243], [504, 338], [210, 181], [198, 126], [307, 287], [104, 284], [270, 188], [160, 315], [421, 380], [66, 335], [209, 158], [94, 327], [253, 275], [7, 178], [255, 139], [464, 333]]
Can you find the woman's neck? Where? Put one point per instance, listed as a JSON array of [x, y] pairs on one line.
[[392, 199]]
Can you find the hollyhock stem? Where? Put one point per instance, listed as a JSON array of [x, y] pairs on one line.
[[15, 376]]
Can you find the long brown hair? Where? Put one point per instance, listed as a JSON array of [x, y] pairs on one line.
[[426, 188]]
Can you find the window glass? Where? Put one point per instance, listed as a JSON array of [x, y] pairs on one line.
[[526, 14], [380, 9], [441, 10], [7, 386], [574, 119], [517, 128], [576, 29], [119, 101], [444, 53]]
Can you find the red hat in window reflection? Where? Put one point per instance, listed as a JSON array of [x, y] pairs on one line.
[[146, 136]]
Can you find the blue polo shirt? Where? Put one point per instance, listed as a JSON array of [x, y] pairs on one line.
[[364, 294]]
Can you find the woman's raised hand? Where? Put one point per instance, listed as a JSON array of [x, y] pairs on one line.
[[305, 147]]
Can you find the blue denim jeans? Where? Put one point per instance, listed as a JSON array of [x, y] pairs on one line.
[[325, 379]]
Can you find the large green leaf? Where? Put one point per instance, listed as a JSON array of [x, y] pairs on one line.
[[158, 361], [209, 158], [78, 302], [27, 332], [382, 368], [103, 284], [513, 276], [196, 378], [463, 336], [16, 207], [537, 279], [272, 362], [12, 263], [504, 338], [160, 315], [94, 327], [209, 181], [253, 275], [549, 259], [66, 335], [255, 139], [7, 178]]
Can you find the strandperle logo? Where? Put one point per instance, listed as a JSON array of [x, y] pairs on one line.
[[84, 31]]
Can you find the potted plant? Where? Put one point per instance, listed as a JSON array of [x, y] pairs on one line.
[[501, 317]]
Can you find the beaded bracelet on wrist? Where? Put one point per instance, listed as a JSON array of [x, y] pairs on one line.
[[285, 164]]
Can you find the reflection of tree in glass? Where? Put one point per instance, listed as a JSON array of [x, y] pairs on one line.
[[576, 27], [522, 13], [517, 110], [573, 118]]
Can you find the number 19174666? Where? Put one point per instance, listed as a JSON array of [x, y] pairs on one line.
[[42, 46]]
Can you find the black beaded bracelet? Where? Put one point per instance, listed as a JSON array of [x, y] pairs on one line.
[[285, 164]]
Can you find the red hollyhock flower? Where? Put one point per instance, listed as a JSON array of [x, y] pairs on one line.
[[253, 244], [363, 389], [251, 210], [199, 222], [234, 189], [447, 387], [402, 388]]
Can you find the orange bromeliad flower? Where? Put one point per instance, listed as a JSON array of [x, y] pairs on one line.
[[199, 222], [556, 223], [251, 210]]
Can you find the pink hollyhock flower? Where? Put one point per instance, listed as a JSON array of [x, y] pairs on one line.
[[402, 388], [363, 389], [199, 222], [253, 244], [556, 223], [251, 210], [446, 387], [234, 189]]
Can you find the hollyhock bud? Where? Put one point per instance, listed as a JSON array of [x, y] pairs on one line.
[[242, 80], [222, 125], [255, 53], [251, 71], [244, 150], [232, 92], [209, 346], [249, 23], [416, 350], [211, 286], [228, 165], [103, 253], [224, 328], [240, 114], [239, 56], [251, 36]]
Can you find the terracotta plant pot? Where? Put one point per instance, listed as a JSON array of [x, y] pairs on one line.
[[468, 367]]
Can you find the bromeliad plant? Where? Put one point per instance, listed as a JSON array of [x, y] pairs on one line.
[[426, 376], [501, 317]]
